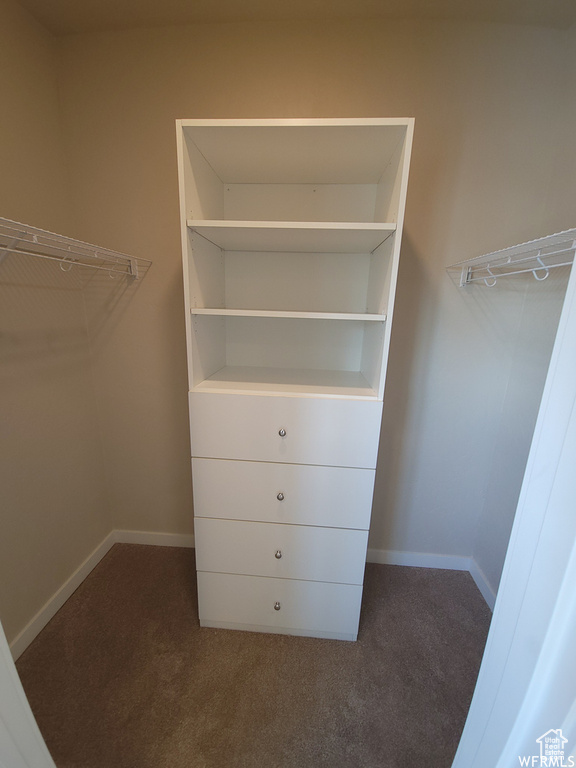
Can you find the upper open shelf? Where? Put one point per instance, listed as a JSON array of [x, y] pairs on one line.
[[353, 151], [293, 171], [25, 240]]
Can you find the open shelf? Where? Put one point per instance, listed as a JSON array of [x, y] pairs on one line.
[[297, 382], [378, 318], [290, 352], [294, 236], [341, 285], [294, 172], [303, 151]]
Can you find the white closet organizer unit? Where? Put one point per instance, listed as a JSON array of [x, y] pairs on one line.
[[291, 236]]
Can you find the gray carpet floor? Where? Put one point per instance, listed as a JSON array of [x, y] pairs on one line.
[[124, 677]]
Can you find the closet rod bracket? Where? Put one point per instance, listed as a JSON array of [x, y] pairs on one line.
[[5, 250], [465, 276]]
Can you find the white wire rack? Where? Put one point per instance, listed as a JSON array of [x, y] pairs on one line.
[[536, 256], [25, 240]]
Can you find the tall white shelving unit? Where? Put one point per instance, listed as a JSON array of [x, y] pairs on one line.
[[291, 236]]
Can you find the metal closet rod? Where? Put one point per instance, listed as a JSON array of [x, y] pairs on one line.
[[130, 271], [538, 268], [26, 240], [534, 270], [515, 260]]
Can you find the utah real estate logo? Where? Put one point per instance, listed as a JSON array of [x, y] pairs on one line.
[[552, 752]]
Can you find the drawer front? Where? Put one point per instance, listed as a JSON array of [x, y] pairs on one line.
[[332, 432], [281, 551], [338, 497], [302, 607]]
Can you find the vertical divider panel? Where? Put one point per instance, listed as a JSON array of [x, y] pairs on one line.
[[389, 187], [204, 190], [206, 273], [206, 288], [208, 346], [372, 343], [379, 299]]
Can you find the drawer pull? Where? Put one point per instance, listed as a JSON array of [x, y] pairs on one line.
[[282, 432], [278, 554], [276, 606], [280, 496]]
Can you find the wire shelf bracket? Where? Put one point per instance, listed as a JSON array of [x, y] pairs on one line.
[[536, 256], [25, 240]]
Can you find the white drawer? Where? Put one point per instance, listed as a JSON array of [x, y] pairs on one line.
[[281, 551], [340, 497], [310, 608], [333, 432]]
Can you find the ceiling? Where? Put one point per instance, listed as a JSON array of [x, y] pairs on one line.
[[64, 17]]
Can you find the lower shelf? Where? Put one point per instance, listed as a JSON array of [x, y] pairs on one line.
[[302, 382], [282, 606]]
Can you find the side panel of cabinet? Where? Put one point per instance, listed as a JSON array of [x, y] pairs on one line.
[[339, 497], [317, 431]]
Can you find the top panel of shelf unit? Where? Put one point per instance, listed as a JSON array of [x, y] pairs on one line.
[[321, 170], [302, 154]]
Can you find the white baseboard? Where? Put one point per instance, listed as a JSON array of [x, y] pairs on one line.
[[418, 559], [381, 556], [482, 583], [428, 560], [53, 605], [50, 608]]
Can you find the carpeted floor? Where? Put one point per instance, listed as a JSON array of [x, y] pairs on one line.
[[123, 676]]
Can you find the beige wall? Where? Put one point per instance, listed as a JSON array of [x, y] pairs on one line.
[[33, 179], [524, 315], [527, 313], [481, 178], [53, 510], [486, 161]]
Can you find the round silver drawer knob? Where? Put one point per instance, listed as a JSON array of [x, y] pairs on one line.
[[282, 432], [278, 554], [280, 496], [276, 606]]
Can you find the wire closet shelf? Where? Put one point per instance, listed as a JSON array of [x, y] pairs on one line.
[[25, 240], [536, 256]]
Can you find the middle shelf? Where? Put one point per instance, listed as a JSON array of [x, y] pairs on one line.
[[289, 314], [340, 283], [294, 236]]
